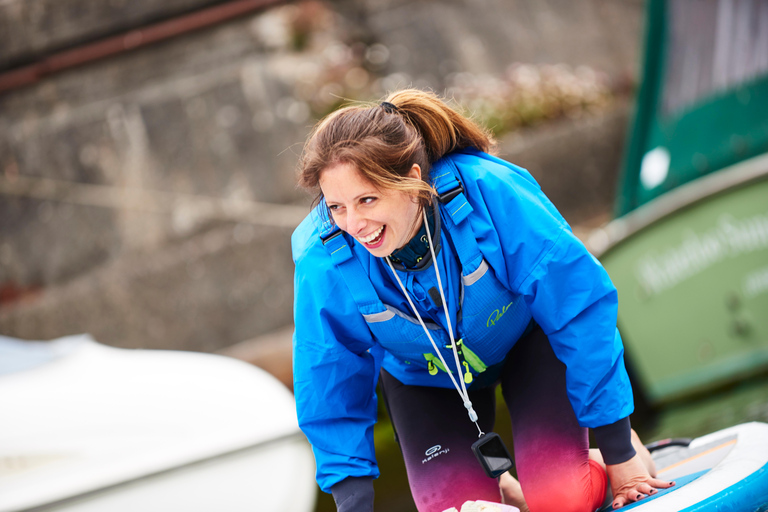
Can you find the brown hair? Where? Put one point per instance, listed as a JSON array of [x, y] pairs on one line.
[[383, 141]]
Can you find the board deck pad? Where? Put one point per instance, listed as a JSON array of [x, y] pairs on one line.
[[675, 462], [684, 465], [679, 483]]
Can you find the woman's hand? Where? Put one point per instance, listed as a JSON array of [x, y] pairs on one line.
[[630, 482]]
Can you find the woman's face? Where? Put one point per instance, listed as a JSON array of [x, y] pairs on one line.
[[381, 220]]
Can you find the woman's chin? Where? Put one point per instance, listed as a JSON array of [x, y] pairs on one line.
[[379, 251]]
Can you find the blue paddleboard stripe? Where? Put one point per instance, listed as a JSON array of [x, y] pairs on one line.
[[679, 483], [749, 494]]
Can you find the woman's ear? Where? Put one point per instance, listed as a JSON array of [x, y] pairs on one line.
[[415, 172]]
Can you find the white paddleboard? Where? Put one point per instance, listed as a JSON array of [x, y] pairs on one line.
[[723, 471]]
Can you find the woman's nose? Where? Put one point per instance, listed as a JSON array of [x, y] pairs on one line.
[[355, 222]]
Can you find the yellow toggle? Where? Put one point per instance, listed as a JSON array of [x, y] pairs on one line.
[[467, 376]]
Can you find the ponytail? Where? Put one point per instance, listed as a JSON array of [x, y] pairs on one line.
[[384, 141], [442, 129]]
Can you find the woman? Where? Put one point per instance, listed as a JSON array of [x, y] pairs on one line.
[[432, 267]]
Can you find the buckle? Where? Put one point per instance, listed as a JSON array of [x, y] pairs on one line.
[[447, 197], [330, 237]]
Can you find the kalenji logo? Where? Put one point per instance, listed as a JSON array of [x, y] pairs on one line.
[[433, 452]]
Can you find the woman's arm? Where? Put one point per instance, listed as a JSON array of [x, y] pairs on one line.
[[570, 296], [354, 494], [335, 366], [534, 253]]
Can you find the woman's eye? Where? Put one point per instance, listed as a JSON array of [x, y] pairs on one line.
[[367, 200], [333, 207]]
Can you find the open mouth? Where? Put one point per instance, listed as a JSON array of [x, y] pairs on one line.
[[375, 238]]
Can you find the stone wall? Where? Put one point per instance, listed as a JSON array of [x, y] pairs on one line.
[[575, 161], [148, 198], [30, 29], [227, 284], [208, 115], [430, 40]]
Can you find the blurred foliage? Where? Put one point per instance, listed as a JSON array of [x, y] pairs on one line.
[[740, 402], [528, 94], [342, 69]]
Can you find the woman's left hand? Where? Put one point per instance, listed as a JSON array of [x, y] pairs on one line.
[[630, 482]]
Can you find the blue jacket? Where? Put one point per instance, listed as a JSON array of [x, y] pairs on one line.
[[528, 249]]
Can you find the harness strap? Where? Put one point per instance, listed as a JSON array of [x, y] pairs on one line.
[[450, 192], [357, 280]]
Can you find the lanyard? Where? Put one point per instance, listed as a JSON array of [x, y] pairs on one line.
[[460, 387]]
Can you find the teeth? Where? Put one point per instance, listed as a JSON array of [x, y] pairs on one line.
[[372, 236]]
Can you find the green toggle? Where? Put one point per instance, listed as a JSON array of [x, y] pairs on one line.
[[467, 376], [475, 362], [432, 361]]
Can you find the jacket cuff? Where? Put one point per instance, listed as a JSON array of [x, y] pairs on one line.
[[354, 494], [615, 441]]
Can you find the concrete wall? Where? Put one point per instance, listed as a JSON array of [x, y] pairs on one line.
[[148, 198], [225, 285], [205, 115], [33, 28], [429, 40], [575, 161]]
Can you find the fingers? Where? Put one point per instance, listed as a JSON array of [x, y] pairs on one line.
[[626, 498], [660, 484], [640, 491], [630, 497], [646, 489], [651, 486]]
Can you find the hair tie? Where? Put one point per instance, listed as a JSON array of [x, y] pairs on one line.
[[389, 108]]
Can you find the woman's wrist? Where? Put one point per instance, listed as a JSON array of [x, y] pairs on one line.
[[354, 494], [615, 441]]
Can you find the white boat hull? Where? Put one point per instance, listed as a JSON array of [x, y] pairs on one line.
[[100, 428]]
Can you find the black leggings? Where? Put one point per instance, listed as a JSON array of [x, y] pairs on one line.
[[551, 449]]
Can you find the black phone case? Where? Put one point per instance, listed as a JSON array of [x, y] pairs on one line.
[[477, 450]]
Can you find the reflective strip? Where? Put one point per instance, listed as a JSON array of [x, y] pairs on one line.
[[379, 317], [391, 312], [476, 275]]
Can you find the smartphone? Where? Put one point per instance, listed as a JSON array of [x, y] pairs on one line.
[[492, 455]]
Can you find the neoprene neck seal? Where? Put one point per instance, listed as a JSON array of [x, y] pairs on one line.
[[415, 255]]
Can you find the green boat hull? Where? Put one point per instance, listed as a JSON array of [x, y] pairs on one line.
[[691, 269]]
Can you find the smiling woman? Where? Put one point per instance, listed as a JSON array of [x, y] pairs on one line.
[[433, 268], [382, 220]]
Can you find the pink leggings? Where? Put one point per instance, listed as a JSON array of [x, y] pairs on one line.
[[551, 450]]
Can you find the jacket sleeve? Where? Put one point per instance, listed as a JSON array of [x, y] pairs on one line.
[[335, 368], [567, 290]]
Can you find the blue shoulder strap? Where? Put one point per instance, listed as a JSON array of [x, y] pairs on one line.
[[351, 270], [450, 193]]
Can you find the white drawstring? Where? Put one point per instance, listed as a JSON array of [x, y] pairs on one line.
[[463, 389]]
